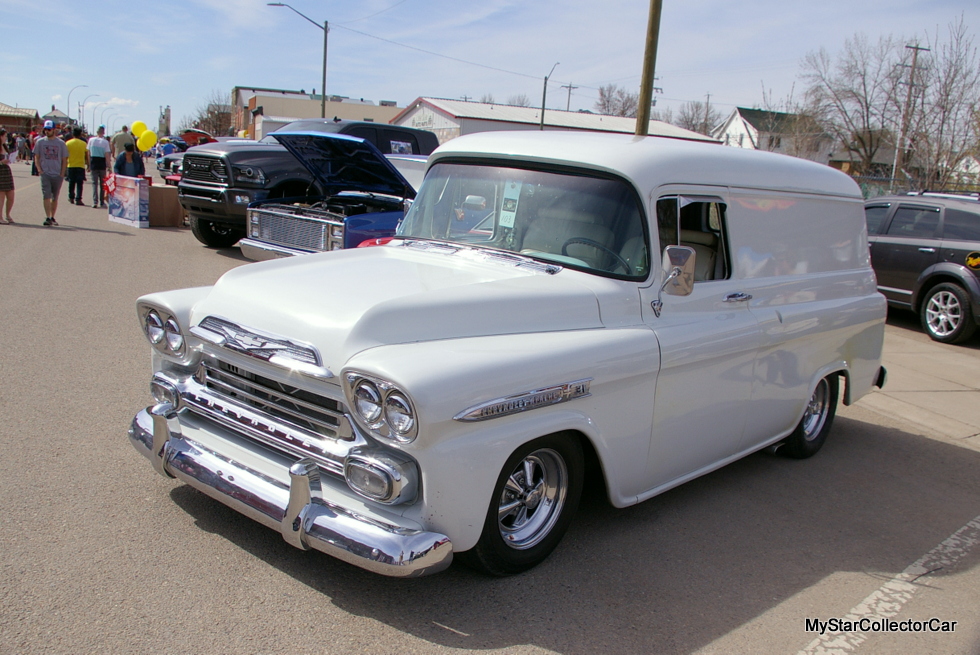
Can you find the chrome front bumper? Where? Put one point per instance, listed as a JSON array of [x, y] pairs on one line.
[[260, 251], [295, 507]]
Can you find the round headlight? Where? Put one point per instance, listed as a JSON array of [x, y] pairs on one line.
[[154, 327], [399, 414], [368, 401], [175, 340]]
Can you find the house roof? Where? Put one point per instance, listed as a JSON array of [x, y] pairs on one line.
[[767, 121], [573, 120], [20, 112]]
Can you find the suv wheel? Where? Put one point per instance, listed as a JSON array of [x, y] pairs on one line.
[[946, 314], [215, 235]]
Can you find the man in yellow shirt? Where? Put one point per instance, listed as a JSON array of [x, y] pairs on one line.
[[77, 163]]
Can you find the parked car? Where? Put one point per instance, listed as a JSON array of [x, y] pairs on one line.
[[445, 393], [925, 249], [220, 180], [365, 196]]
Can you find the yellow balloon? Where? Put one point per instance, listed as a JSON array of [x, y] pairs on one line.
[[147, 140], [138, 128]]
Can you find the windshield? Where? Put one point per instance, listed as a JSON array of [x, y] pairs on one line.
[[592, 223]]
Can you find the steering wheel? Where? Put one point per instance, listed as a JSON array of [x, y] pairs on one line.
[[598, 246]]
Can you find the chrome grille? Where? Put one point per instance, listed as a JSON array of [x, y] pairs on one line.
[[299, 227], [316, 414], [258, 345], [201, 168]]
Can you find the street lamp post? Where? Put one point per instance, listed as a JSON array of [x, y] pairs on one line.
[[102, 115], [94, 107], [68, 108], [544, 94], [82, 105], [326, 31]]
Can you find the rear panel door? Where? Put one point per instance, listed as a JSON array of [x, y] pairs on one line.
[[908, 245]]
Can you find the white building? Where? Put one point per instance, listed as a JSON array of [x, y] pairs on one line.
[[788, 134], [452, 118]]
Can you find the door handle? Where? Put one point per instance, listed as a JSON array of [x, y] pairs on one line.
[[738, 297], [928, 250]]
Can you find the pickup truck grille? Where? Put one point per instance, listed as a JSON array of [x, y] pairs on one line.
[[312, 413], [201, 168], [296, 226]]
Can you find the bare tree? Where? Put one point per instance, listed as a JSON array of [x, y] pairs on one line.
[[698, 117], [664, 116], [487, 98], [212, 115], [616, 101], [520, 100], [792, 127]]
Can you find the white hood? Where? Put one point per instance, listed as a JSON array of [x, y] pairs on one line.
[[346, 301]]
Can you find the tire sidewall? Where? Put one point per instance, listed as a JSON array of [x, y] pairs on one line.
[[797, 445], [492, 554], [964, 330]]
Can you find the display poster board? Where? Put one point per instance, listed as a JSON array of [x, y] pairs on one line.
[[129, 200]]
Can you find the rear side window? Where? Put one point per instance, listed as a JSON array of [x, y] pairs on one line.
[[399, 143], [874, 216], [961, 225], [917, 222], [369, 134]]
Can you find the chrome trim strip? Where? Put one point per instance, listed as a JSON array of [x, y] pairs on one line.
[[904, 292], [259, 251], [526, 401], [298, 511]]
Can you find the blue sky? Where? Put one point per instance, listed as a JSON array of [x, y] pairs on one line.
[[139, 55]]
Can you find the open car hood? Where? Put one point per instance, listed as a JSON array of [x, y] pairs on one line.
[[345, 163]]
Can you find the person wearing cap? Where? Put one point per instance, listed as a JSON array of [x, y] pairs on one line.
[[99, 152], [120, 139], [166, 147], [51, 156]]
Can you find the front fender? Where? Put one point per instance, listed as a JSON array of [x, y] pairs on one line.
[[460, 460]]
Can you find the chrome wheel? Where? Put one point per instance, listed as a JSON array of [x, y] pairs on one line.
[[816, 411], [532, 499], [943, 313]]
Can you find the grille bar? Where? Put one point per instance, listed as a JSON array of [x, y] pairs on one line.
[[205, 169], [276, 404], [285, 225]]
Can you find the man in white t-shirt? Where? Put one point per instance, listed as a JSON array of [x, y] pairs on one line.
[[99, 152]]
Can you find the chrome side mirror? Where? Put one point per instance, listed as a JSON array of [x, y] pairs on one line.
[[678, 267]]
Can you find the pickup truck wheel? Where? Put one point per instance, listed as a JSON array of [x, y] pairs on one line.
[[533, 502], [946, 314], [215, 235], [811, 433]]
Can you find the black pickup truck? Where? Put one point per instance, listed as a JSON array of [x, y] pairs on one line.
[[220, 180]]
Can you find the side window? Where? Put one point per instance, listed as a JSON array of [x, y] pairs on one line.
[[699, 223], [399, 143], [369, 134], [874, 215], [959, 225], [918, 222]]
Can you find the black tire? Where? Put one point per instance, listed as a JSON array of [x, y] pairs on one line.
[[946, 315], [811, 433], [521, 538], [215, 235]]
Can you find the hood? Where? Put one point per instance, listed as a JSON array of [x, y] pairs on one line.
[[347, 301], [345, 163]]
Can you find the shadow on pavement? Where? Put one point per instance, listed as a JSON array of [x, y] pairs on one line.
[[679, 571]]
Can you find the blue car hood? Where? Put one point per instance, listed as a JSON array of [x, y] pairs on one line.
[[345, 163]]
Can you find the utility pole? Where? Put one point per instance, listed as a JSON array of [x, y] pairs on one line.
[[707, 112], [544, 92], [649, 67], [465, 98], [569, 87], [900, 145]]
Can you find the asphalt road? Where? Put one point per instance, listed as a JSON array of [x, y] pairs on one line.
[[100, 554]]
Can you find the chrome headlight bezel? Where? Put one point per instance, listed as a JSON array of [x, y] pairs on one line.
[[163, 330], [399, 423]]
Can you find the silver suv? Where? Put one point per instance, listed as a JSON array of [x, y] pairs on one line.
[[925, 250]]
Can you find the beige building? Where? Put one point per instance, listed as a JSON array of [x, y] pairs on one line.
[[260, 111], [452, 118]]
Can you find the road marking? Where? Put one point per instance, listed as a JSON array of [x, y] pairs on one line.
[[887, 601]]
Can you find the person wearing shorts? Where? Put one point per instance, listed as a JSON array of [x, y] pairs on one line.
[[51, 157]]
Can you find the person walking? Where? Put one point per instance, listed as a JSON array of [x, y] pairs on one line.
[[6, 180], [99, 151], [129, 163], [119, 141], [78, 161], [51, 156]]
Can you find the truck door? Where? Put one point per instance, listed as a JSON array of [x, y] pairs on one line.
[[708, 345]]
